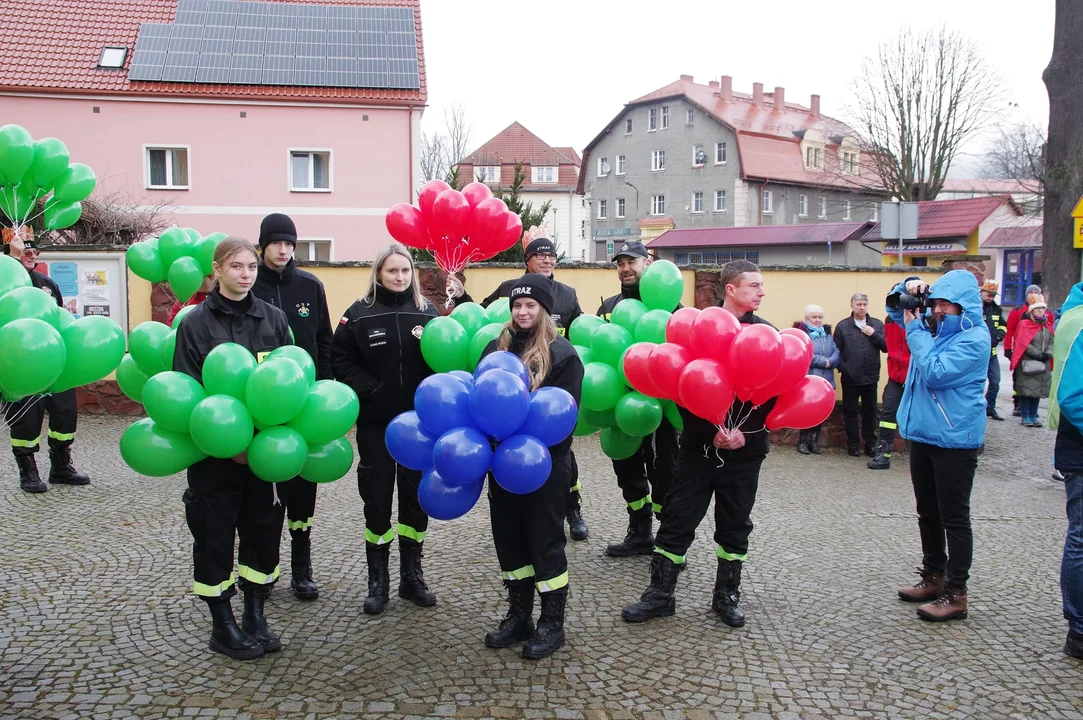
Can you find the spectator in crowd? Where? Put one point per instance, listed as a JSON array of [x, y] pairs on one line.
[[1032, 359], [860, 339], [994, 320], [1009, 338], [825, 358]]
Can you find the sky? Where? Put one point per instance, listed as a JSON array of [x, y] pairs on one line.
[[565, 68]]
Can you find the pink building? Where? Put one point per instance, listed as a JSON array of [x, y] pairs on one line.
[[227, 110]]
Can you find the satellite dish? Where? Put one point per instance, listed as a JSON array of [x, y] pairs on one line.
[[605, 168]]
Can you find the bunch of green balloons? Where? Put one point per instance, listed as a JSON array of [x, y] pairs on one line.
[[30, 170], [273, 411], [180, 256], [624, 415], [43, 348], [456, 341]]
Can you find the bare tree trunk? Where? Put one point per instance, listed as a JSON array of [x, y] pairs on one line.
[[1064, 152]]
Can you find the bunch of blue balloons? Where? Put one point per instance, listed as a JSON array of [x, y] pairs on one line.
[[463, 426]]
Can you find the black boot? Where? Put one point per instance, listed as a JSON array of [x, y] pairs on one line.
[[882, 459], [518, 624], [871, 449], [411, 580], [639, 540], [379, 583], [577, 526], [62, 472], [657, 600], [549, 635], [226, 637], [29, 480], [814, 441], [253, 622], [301, 568], [727, 593], [803, 444]]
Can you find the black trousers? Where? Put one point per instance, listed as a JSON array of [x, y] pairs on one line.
[[225, 499], [299, 497], [645, 478], [700, 475], [943, 479], [888, 424], [25, 419], [377, 475], [528, 530], [866, 396]]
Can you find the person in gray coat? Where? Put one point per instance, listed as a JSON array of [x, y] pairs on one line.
[[1031, 359], [825, 358]]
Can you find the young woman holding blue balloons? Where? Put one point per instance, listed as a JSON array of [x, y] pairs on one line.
[[528, 529]]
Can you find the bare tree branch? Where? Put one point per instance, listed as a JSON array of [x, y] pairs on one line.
[[112, 219], [445, 148], [1016, 152]]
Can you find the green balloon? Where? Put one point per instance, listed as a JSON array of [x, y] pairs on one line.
[[94, 346], [181, 315], [185, 277], [193, 235], [145, 345], [32, 359], [75, 185], [203, 251], [29, 302], [673, 414], [661, 286], [277, 454], [620, 368], [300, 356], [16, 153], [602, 387], [276, 391], [174, 243], [131, 379], [65, 318], [619, 445], [637, 414], [652, 326], [585, 354], [12, 275], [18, 201], [582, 429], [609, 342], [226, 370], [151, 450], [499, 311], [50, 162], [61, 215], [627, 313], [328, 462], [330, 410], [471, 316], [221, 426], [480, 341], [145, 262], [583, 328], [170, 397], [169, 349], [598, 418], [445, 345]]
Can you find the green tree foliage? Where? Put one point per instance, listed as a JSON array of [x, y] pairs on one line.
[[513, 198]]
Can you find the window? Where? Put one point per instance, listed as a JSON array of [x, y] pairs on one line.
[[720, 201], [715, 258], [690, 117], [112, 57], [802, 205], [628, 126], [846, 210], [823, 208], [313, 250], [813, 157], [310, 170], [768, 202], [603, 209], [489, 174], [603, 166], [720, 153], [658, 204], [849, 163], [697, 202], [620, 164], [652, 119], [620, 207], [665, 116], [658, 160], [544, 174], [698, 156], [167, 167]]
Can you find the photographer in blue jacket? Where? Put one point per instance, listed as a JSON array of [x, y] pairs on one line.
[[942, 414]]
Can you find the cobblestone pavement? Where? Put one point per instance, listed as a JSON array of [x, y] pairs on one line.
[[97, 621]]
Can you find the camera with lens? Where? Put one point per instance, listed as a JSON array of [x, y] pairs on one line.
[[916, 303]]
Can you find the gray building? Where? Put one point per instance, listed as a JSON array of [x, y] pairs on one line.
[[703, 156]]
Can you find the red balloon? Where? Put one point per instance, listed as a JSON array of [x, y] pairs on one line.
[[679, 327], [705, 390], [665, 364], [475, 192], [796, 356], [427, 196], [713, 332], [804, 406], [406, 225], [488, 224], [802, 336], [755, 356], [513, 232], [637, 370], [451, 214]]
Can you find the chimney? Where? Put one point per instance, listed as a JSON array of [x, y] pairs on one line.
[[757, 94], [713, 84], [727, 88], [687, 78], [780, 99], [814, 107]]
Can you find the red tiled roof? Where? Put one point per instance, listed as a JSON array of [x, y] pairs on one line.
[[776, 159], [569, 153], [991, 186], [951, 218], [806, 234], [54, 46], [1026, 236], [517, 144], [661, 221]]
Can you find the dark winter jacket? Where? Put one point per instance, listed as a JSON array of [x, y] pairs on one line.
[[860, 354], [995, 321], [627, 292], [46, 283], [301, 296], [376, 350], [253, 324], [825, 353], [1013, 324], [565, 302]]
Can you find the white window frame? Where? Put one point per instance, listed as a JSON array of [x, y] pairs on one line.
[[719, 195], [696, 150], [603, 210], [289, 169], [484, 173], [110, 52], [652, 119], [602, 161], [720, 152], [622, 207], [802, 206], [658, 205], [627, 126], [822, 214], [697, 199], [658, 160], [690, 117], [767, 200], [622, 161], [147, 147], [311, 240], [665, 117], [554, 174], [846, 207]]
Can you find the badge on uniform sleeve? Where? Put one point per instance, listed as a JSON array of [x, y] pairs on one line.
[[302, 309], [416, 332], [343, 321]]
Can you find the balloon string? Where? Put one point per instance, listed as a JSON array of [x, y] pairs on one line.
[[7, 422]]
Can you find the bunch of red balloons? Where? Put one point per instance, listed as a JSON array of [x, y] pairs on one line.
[[457, 227], [709, 358]]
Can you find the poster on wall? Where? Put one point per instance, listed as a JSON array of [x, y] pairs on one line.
[[91, 283]]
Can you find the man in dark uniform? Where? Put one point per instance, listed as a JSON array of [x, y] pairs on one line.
[[860, 338], [996, 322], [301, 296], [541, 258], [25, 416], [643, 478]]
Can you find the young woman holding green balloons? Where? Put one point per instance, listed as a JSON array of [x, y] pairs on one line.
[[224, 497]]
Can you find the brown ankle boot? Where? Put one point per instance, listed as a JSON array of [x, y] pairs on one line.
[[926, 589], [949, 605]]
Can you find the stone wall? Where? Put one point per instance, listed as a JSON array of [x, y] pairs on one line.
[[105, 398]]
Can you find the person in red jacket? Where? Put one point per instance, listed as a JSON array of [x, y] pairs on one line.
[[200, 296], [1009, 339], [898, 364]]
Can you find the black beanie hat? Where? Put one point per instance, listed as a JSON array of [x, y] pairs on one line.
[[535, 287], [277, 226], [540, 245]]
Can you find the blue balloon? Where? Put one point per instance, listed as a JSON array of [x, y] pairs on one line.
[[462, 456], [499, 403], [464, 376], [445, 502], [552, 415], [503, 360], [442, 401], [409, 443], [521, 464]]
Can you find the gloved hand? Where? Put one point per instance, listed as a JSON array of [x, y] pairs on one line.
[[1045, 357], [1008, 353]]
